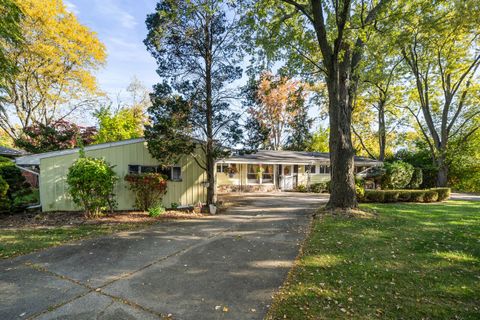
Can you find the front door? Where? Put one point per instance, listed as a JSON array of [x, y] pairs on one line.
[[286, 182]]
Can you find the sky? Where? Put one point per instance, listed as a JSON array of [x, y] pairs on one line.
[[120, 25]]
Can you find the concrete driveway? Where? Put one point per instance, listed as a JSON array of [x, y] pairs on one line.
[[222, 267]]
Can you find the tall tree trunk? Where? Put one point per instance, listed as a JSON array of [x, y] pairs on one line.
[[382, 139], [342, 193], [210, 148], [442, 175]]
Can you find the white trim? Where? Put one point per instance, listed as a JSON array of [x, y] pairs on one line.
[[28, 170], [34, 159]]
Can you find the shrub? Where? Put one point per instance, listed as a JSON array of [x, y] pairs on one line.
[[374, 195], [301, 188], [430, 196], [398, 175], [174, 205], [443, 193], [359, 192], [24, 199], [90, 183], [391, 196], [417, 195], [318, 187], [149, 189], [417, 179], [404, 195], [3, 188], [13, 176], [155, 211]]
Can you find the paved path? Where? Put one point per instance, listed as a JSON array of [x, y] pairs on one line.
[[186, 269], [465, 196]]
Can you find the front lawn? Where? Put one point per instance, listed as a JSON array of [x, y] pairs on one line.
[[413, 261]]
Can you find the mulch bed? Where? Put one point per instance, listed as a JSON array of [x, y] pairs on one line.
[[56, 219]]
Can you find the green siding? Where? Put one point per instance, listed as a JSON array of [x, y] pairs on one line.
[[53, 173]]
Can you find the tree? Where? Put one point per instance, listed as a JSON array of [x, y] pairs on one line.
[[56, 136], [278, 106], [197, 49], [333, 32], [377, 116], [126, 123], [319, 141], [441, 52], [54, 65], [10, 35]]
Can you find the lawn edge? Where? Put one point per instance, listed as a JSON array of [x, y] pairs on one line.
[[276, 297]]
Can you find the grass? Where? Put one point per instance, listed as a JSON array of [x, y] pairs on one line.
[[14, 242], [412, 261]]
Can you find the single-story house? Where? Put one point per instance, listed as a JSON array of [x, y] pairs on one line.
[[185, 186], [187, 181], [268, 170]]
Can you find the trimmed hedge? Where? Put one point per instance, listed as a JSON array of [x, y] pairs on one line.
[[389, 196], [443, 193]]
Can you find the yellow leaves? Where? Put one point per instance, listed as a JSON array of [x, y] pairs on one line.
[[59, 49]]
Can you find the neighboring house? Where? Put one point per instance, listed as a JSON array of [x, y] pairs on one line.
[[11, 153], [186, 185], [187, 181], [30, 176], [268, 170]]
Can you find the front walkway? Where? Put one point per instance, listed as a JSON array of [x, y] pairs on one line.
[[222, 267], [465, 196]]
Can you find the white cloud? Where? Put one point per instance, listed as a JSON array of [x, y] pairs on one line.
[[71, 7], [110, 8]]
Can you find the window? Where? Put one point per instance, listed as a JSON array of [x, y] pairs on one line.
[[136, 169], [311, 169], [252, 170], [324, 169], [267, 174], [219, 167], [173, 173], [176, 173]]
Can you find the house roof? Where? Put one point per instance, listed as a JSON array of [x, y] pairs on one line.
[[291, 157], [34, 159], [4, 151]]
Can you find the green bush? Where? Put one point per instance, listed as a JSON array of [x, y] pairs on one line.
[[359, 192], [3, 188], [13, 176], [174, 205], [374, 195], [149, 189], [391, 196], [404, 195], [90, 184], [417, 179], [398, 175], [24, 199], [301, 188], [318, 187], [155, 211], [417, 195], [430, 196], [443, 193]]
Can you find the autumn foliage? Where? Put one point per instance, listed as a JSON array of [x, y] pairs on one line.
[[278, 102]]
